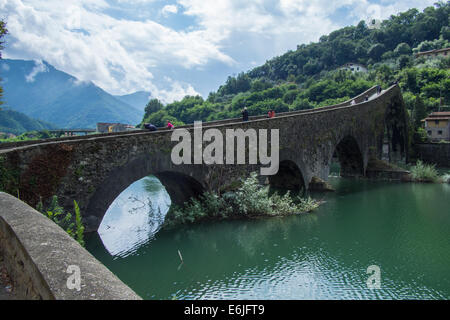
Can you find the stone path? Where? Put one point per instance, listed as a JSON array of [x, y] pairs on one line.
[[5, 283]]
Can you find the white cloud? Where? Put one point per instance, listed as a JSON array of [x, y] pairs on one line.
[[116, 54], [176, 92], [168, 9], [39, 67], [121, 55]]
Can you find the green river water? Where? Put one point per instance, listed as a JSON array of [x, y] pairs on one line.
[[402, 228]]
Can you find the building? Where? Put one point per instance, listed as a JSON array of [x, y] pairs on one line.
[[354, 67], [373, 24], [434, 53], [105, 127], [437, 125]]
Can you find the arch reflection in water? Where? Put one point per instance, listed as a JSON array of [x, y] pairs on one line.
[[134, 217]]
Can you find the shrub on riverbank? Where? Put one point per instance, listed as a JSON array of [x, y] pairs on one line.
[[250, 200], [422, 172]]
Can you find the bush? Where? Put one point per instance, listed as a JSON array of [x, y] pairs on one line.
[[249, 200], [422, 172], [446, 178], [56, 213]]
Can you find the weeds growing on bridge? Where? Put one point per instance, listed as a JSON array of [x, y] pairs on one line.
[[249, 200], [56, 213]]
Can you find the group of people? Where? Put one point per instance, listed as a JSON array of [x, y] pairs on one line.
[[152, 127], [270, 114]]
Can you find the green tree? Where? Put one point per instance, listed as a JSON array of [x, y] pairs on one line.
[[154, 105], [376, 51], [445, 33], [402, 48], [419, 112]]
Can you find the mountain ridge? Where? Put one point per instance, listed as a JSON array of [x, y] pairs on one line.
[[40, 91]]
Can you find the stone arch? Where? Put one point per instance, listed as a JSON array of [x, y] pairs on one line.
[[350, 157], [289, 176], [179, 185]]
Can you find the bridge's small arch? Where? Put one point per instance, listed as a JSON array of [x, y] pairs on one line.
[[349, 156], [289, 177]]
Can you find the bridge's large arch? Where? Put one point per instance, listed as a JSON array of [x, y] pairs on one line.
[[180, 186], [349, 156]]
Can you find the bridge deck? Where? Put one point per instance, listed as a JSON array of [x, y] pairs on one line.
[[360, 100]]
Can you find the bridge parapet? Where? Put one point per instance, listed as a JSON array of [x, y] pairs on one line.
[[358, 99], [44, 262]]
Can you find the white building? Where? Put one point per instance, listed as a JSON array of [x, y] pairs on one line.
[[354, 67]]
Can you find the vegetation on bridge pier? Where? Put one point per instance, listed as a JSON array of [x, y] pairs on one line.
[[249, 200]]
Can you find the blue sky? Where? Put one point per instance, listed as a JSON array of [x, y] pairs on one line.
[[178, 47]]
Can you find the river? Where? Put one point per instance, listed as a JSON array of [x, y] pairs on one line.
[[403, 229]]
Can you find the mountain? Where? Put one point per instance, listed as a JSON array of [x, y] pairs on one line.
[[138, 99], [17, 123], [40, 91]]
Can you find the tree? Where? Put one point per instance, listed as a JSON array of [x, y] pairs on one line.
[[404, 61], [376, 51], [445, 33], [402, 49], [3, 32], [154, 105], [419, 112]]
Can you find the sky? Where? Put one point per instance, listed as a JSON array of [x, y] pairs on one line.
[[177, 47]]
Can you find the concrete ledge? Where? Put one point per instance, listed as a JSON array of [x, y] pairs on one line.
[[38, 253]]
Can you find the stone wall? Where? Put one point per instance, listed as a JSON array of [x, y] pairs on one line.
[[437, 153], [38, 253]]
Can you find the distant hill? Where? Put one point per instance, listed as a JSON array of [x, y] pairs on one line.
[[18, 123], [138, 100], [40, 91]]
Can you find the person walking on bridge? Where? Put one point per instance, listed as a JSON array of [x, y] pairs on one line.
[[245, 114], [378, 89]]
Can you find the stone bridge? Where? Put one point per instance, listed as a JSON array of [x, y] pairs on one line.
[[95, 169]]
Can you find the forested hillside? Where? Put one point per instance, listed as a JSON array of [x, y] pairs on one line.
[[310, 76], [17, 123]]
